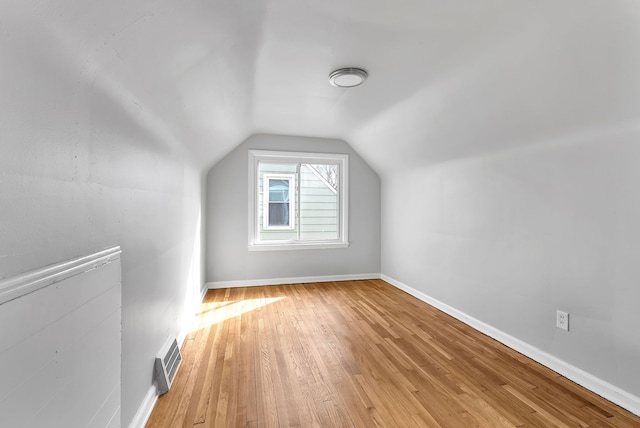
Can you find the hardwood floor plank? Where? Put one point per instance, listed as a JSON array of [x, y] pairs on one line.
[[360, 354], [267, 411]]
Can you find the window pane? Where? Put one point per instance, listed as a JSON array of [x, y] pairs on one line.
[[328, 172], [277, 200], [318, 202], [278, 190], [277, 168], [278, 214]]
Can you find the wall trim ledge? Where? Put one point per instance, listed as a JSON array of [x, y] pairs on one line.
[[291, 280], [611, 392], [20, 285]]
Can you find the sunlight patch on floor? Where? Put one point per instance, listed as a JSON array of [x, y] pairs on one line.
[[216, 312]]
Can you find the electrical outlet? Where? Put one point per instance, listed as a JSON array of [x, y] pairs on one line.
[[562, 320]]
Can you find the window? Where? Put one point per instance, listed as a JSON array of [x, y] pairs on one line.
[[278, 198], [297, 200]]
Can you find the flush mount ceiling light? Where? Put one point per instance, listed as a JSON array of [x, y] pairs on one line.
[[347, 77]]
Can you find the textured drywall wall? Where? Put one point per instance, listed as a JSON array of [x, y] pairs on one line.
[[511, 238], [83, 168], [228, 258]]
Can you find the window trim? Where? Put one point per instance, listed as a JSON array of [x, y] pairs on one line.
[[255, 157]]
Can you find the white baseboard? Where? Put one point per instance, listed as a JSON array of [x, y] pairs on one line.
[[291, 280], [145, 409], [604, 389]]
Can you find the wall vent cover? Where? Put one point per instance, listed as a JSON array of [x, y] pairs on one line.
[[166, 365]]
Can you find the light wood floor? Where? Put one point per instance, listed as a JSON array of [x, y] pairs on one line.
[[364, 354]]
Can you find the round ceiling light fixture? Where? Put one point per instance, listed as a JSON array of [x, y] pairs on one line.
[[347, 77]]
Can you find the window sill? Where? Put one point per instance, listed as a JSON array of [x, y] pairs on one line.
[[297, 246]]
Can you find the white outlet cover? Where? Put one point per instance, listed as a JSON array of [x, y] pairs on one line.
[[562, 320]]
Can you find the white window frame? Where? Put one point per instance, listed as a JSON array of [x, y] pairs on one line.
[[291, 178], [257, 156]]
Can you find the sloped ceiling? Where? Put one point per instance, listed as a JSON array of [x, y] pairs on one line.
[[448, 79]]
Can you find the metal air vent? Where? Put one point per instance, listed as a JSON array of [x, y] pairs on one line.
[[166, 365]]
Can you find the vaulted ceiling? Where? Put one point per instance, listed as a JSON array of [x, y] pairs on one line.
[[448, 79]]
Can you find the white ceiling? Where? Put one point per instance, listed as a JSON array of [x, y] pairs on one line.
[[448, 79]]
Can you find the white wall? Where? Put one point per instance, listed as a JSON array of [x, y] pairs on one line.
[[64, 358], [511, 237], [83, 166], [227, 256]]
